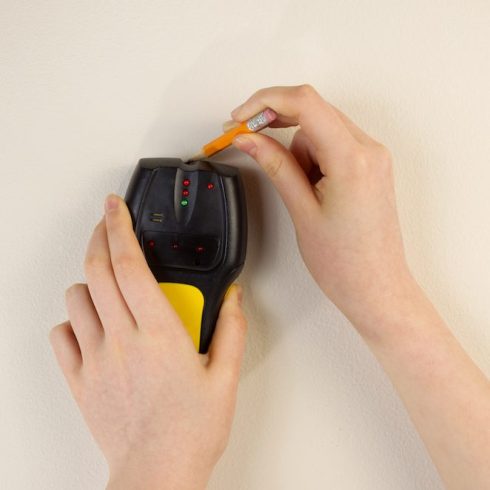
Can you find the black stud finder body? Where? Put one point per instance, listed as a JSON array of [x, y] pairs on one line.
[[190, 219]]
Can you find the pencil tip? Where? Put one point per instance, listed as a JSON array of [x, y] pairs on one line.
[[197, 156]]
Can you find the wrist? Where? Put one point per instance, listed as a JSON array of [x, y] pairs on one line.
[[136, 477], [385, 313], [153, 482]]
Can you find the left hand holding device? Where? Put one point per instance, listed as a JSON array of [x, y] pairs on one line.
[[160, 412]]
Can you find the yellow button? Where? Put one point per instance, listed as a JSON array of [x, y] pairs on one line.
[[188, 302]]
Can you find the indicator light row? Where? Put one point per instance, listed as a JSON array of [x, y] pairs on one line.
[[185, 192], [176, 246]]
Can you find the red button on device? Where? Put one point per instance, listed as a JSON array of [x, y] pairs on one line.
[[186, 182], [185, 192]]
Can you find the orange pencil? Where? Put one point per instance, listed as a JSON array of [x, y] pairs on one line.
[[254, 124]]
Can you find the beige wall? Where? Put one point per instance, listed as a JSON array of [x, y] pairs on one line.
[[86, 88]]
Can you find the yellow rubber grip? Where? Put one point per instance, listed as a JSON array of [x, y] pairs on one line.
[[188, 302]]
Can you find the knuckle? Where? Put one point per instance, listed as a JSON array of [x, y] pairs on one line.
[[74, 290], [273, 164], [55, 332], [379, 161], [382, 152], [357, 165], [58, 332], [306, 91], [240, 321], [259, 94], [357, 160], [383, 157], [100, 226], [363, 162], [93, 263]]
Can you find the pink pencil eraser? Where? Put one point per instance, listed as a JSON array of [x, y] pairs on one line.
[[270, 115], [261, 120]]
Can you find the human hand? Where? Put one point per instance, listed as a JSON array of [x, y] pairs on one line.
[[337, 184], [160, 412]]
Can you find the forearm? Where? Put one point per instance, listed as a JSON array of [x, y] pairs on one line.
[[445, 393]]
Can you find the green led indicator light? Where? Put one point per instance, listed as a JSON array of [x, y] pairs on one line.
[[184, 202]]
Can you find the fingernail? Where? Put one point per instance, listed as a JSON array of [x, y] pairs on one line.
[[111, 202], [244, 143], [235, 289], [236, 110], [229, 291], [239, 293]]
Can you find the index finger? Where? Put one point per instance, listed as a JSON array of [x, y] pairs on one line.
[[299, 105], [138, 286]]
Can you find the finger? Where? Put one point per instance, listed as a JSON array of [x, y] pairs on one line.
[[301, 105], [83, 318], [228, 345], [109, 303], [67, 350], [136, 282], [279, 122], [283, 122], [303, 150], [284, 171]]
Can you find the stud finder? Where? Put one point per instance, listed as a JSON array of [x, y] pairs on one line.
[[191, 222]]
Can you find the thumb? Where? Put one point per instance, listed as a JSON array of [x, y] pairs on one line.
[[283, 170], [228, 345]]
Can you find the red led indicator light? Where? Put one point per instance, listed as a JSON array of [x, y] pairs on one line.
[[151, 243], [186, 182], [210, 186], [185, 192], [199, 249]]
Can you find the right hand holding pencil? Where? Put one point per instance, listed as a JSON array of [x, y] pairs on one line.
[[337, 184]]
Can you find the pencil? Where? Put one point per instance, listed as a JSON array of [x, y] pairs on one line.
[[254, 124]]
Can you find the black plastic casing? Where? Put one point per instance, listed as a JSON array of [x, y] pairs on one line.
[[202, 243]]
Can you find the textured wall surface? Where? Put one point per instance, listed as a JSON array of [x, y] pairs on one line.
[[87, 88]]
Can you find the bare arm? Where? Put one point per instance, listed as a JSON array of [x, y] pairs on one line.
[[446, 394], [337, 184]]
